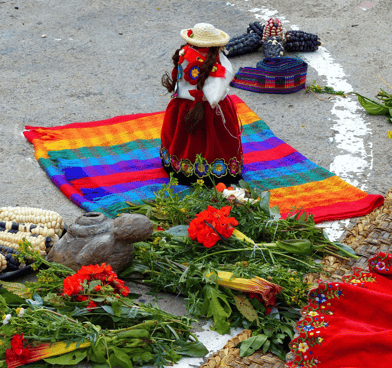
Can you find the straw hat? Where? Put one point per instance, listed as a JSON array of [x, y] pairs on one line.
[[205, 35]]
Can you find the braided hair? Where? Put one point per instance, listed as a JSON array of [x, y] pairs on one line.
[[170, 82], [196, 116]]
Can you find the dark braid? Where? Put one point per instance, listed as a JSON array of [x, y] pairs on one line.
[[205, 70], [195, 116], [166, 79]]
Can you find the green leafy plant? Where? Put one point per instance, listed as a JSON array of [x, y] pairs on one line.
[[381, 107], [116, 331]]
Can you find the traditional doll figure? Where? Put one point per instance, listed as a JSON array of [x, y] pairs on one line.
[[201, 118]]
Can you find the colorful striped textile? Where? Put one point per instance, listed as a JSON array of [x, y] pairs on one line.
[[273, 75], [100, 165]]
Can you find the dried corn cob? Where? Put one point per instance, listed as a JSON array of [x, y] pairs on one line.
[[266, 289], [29, 228], [33, 216], [3, 263], [11, 238]]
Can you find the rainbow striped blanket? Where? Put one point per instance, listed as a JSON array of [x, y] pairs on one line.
[[100, 165]]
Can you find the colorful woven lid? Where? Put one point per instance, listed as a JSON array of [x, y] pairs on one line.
[[205, 35], [273, 75]]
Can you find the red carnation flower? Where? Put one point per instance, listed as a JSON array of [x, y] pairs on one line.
[[190, 33]]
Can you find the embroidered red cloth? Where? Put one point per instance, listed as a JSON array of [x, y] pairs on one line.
[[348, 324]]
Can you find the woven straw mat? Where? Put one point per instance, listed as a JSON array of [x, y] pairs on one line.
[[370, 234]]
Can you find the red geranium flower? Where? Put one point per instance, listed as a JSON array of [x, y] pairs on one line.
[[125, 291], [91, 305], [76, 286], [81, 298], [209, 225]]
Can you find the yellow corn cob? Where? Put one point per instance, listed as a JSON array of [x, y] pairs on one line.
[[3, 263], [47, 350], [258, 285]]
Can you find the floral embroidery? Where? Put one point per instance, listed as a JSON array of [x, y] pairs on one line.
[[165, 157], [320, 298], [381, 263], [219, 167], [175, 162], [324, 292], [233, 166], [192, 72], [186, 167], [311, 326], [359, 278], [303, 346], [196, 57], [201, 169]]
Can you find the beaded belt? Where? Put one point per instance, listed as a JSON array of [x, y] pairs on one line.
[[273, 75]]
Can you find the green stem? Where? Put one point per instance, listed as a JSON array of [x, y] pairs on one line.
[[251, 249], [140, 325], [295, 259], [107, 353], [348, 254], [56, 314], [336, 255], [230, 251]]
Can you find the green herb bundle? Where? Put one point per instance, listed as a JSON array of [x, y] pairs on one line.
[[283, 252], [118, 331]]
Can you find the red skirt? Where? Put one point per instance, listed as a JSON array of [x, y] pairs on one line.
[[217, 140]]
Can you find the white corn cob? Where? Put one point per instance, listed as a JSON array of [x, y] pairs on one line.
[[33, 216], [30, 228], [12, 240], [3, 263]]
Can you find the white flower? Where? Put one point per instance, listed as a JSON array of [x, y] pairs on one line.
[[20, 312], [6, 319]]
